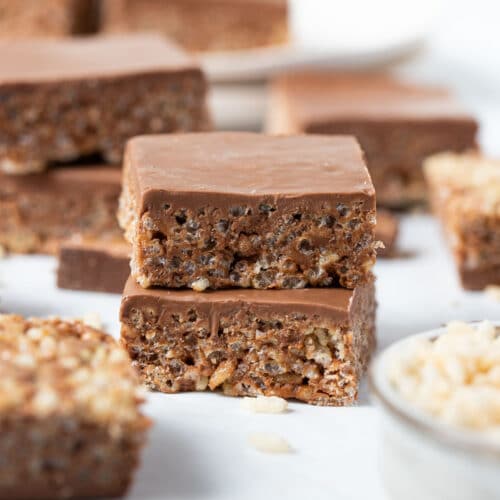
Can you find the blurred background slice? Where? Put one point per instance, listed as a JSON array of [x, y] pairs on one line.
[[202, 25], [52, 18]]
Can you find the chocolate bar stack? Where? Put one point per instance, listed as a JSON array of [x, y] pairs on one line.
[[251, 264], [68, 100]]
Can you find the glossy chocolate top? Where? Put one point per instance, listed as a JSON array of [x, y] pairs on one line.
[[313, 98], [227, 167], [333, 303], [28, 61]]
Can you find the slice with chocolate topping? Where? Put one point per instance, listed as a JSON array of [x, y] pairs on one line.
[[229, 209], [67, 99], [311, 344]]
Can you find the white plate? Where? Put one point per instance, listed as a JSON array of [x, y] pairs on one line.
[[258, 64], [358, 34], [198, 449]]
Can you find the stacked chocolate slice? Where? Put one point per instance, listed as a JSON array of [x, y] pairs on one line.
[[251, 264], [67, 100]]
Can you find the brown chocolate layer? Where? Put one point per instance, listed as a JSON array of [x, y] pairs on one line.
[[37, 211], [331, 303], [227, 209], [93, 265], [224, 168], [398, 124]]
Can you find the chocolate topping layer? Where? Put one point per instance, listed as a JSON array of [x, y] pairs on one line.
[[319, 97], [332, 303], [195, 169], [25, 62]]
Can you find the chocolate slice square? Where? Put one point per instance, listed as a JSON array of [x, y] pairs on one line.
[[221, 210], [70, 98], [311, 344]]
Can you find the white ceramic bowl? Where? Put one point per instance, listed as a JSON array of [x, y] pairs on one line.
[[424, 459]]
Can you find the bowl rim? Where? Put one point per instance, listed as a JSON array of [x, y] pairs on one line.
[[390, 400]]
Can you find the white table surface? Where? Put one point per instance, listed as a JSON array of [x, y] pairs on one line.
[[198, 447]]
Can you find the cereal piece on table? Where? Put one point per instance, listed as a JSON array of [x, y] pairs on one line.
[[397, 124], [269, 443], [311, 344], [229, 209], [202, 25], [70, 98], [38, 211], [465, 194], [46, 18], [386, 231], [264, 404], [93, 265], [69, 411]]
